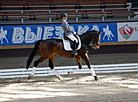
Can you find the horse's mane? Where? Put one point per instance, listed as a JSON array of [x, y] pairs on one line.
[[88, 32]]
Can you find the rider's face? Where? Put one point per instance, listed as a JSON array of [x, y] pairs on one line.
[[65, 18]]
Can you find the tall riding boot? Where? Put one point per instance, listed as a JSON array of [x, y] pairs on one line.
[[74, 52]]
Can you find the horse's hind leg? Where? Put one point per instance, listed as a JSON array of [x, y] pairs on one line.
[[51, 61], [78, 59], [36, 63]]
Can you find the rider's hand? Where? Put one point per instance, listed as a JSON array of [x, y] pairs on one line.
[[74, 32]]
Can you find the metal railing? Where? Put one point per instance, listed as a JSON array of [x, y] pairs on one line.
[[46, 71], [75, 15]]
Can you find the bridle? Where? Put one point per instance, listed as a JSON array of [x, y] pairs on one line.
[[94, 42]]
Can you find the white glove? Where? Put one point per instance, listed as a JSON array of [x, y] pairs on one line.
[[74, 32]]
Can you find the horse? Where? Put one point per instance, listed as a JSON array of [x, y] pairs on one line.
[[51, 47]]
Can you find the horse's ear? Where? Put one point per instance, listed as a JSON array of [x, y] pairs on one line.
[[100, 33]]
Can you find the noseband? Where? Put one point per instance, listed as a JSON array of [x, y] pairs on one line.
[[93, 44]]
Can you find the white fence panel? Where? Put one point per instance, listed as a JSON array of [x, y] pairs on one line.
[[46, 71]]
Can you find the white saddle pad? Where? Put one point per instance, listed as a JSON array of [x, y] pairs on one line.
[[67, 45]]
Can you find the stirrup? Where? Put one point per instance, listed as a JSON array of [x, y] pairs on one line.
[[74, 53]]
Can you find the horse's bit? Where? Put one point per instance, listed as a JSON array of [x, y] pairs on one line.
[[93, 44]]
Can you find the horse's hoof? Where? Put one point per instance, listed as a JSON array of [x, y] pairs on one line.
[[69, 73], [30, 76], [96, 78], [60, 78]]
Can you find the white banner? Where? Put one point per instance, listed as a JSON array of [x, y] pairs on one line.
[[127, 31]]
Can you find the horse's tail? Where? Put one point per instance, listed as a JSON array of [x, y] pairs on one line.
[[36, 47]]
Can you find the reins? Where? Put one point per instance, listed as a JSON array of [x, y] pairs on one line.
[[88, 42]]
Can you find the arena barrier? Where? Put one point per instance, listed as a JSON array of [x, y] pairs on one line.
[[46, 71]]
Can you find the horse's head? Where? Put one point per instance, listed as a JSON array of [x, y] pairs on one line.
[[95, 41], [91, 38]]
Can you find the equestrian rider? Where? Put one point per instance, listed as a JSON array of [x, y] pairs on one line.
[[68, 32]]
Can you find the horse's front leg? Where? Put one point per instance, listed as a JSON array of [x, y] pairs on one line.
[[86, 59], [51, 60], [78, 59]]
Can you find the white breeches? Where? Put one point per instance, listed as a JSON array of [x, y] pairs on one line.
[[72, 38]]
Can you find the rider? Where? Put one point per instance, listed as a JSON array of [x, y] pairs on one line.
[[68, 32]]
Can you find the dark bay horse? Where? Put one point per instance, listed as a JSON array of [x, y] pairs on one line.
[[50, 47]]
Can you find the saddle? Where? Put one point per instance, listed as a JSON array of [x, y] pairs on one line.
[[68, 43]]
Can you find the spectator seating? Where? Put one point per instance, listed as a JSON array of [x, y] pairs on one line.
[[53, 4], [47, 10]]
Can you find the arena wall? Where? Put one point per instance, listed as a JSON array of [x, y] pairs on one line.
[[111, 45], [25, 36]]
